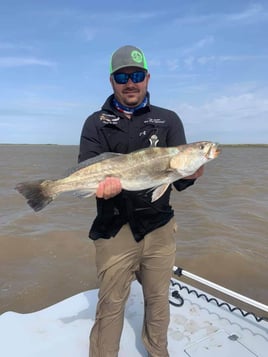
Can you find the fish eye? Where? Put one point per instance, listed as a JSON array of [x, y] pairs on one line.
[[202, 147]]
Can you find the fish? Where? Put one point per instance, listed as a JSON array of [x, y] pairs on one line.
[[152, 168]]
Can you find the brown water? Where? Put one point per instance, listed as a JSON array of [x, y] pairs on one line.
[[46, 256]]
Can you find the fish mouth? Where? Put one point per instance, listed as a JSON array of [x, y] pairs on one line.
[[213, 151]]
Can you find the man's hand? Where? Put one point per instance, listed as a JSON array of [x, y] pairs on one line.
[[109, 188], [197, 174]]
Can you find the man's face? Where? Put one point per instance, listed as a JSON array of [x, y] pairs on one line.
[[130, 94]]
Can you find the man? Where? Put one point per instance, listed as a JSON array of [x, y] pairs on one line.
[[131, 234]]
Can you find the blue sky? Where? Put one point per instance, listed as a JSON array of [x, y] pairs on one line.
[[207, 59]]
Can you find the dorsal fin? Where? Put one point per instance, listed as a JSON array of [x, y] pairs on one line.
[[93, 160]]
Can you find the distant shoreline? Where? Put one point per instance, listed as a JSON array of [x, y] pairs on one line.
[[225, 145], [244, 145]]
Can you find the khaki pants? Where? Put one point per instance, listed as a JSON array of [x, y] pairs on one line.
[[118, 259]]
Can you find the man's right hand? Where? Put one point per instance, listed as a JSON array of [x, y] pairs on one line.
[[109, 188]]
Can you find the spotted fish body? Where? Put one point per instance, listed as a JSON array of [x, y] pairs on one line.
[[153, 167]]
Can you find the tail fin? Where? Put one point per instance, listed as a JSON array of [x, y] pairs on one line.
[[36, 193]]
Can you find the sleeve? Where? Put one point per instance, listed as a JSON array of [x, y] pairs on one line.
[[176, 134], [90, 144], [177, 137]]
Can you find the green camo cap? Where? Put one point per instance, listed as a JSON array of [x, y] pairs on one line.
[[127, 56]]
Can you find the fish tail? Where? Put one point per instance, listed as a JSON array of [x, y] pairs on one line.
[[37, 193]]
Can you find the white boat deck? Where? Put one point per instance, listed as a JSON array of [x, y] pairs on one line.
[[197, 329], [203, 329]]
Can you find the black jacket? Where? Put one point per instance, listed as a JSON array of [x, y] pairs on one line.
[[108, 130]]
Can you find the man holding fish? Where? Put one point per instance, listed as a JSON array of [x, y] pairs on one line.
[[133, 236], [131, 153]]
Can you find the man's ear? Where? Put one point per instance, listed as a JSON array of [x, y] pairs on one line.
[[112, 81]]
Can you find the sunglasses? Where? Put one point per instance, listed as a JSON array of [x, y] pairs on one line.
[[136, 77]]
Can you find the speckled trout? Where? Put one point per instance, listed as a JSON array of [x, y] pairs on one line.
[[151, 168]]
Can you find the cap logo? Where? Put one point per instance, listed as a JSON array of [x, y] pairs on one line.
[[136, 56]]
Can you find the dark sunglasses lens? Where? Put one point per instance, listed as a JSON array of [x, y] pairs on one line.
[[121, 78], [136, 77]]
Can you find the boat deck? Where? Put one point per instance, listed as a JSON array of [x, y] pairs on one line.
[[198, 328]]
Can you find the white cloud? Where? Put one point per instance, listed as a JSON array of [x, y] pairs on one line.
[[89, 33], [189, 62], [237, 119], [32, 106], [251, 13], [24, 61], [195, 19], [154, 62], [172, 64], [208, 40], [126, 16], [14, 46], [243, 106], [203, 60]]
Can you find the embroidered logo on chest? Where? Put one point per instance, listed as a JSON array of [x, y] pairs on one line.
[[109, 118], [154, 121]]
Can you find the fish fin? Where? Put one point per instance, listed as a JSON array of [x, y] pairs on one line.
[[159, 191], [84, 193], [93, 160], [36, 193]]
